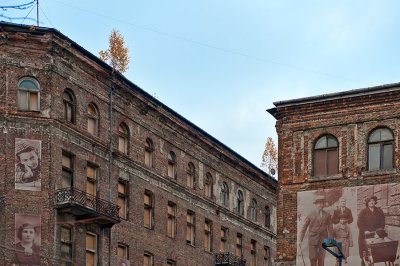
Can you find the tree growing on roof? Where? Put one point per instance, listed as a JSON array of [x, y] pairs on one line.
[[269, 160], [117, 54]]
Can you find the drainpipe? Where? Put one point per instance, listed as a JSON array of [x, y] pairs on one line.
[[110, 148]]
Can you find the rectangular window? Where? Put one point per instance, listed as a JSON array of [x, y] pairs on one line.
[[266, 255], [239, 245], [66, 246], [387, 156], [28, 100], [207, 235], [374, 157], [91, 249], [91, 179], [123, 199], [190, 227], [148, 209], [171, 222], [67, 170], [224, 239], [253, 251], [148, 259], [122, 251]]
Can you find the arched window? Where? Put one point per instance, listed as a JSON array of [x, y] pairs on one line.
[[28, 95], [326, 153], [171, 164], [123, 138], [93, 119], [224, 194], [208, 185], [69, 106], [239, 202], [190, 175], [253, 210], [380, 149], [267, 216], [148, 153]]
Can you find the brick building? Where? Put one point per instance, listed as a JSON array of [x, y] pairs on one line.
[[98, 172], [339, 158]]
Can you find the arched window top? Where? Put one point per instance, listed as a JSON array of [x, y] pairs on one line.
[[224, 187], [326, 142], [149, 145], [190, 168], [239, 195], [380, 134], [253, 203], [267, 210], [29, 84], [171, 157], [67, 96], [208, 177], [92, 110], [123, 129]]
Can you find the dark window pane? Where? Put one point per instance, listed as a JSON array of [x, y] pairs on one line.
[[320, 163], [387, 156], [374, 156], [333, 162]]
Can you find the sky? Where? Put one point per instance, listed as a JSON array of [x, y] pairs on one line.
[[222, 63]]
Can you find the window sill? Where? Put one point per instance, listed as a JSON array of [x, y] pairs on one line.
[[324, 178], [379, 172], [191, 245]]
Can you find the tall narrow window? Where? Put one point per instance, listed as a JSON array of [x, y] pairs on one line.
[[253, 210], [122, 251], [91, 191], [69, 106], [171, 222], [208, 185], [148, 210], [190, 174], [171, 164], [207, 235], [190, 228], [123, 199], [66, 246], [28, 95], [224, 194], [123, 138], [93, 119], [326, 153], [91, 249], [148, 153], [267, 216], [223, 245], [380, 149], [267, 255], [239, 245], [253, 252], [67, 170], [239, 202], [148, 259]]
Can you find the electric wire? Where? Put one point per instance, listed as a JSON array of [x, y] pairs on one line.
[[20, 7], [27, 14]]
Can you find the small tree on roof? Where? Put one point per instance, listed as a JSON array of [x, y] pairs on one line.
[[269, 160], [117, 54]]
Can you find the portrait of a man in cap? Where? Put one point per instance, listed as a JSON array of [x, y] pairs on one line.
[[319, 226], [27, 164]]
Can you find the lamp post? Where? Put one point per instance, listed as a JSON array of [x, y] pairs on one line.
[[329, 243]]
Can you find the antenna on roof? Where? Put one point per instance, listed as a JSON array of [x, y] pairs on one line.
[[37, 13]]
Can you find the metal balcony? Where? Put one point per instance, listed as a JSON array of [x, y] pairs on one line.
[[86, 207], [228, 259]]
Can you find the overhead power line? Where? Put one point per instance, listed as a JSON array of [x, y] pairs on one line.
[[21, 6]]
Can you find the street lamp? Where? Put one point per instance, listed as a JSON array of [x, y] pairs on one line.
[[329, 243]]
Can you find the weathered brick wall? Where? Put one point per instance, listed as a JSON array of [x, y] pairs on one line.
[[350, 120]]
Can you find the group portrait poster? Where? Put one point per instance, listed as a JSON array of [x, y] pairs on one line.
[[27, 239], [364, 219], [28, 164]]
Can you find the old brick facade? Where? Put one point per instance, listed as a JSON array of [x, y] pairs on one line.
[[360, 166], [56, 96]]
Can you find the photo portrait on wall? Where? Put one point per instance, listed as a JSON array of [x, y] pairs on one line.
[[28, 164], [27, 239]]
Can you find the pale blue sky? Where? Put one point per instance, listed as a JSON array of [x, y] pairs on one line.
[[222, 63]]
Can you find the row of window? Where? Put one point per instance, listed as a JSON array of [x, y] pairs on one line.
[[380, 153]]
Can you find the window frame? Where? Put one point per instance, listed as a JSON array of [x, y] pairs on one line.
[[190, 227], [125, 249], [253, 252], [325, 151], [253, 210], [94, 251], [190, 175], [150, 208], [223, 239], [66, 242], [208, 236], [68, 170], [171, 168], [150, 256], [239, 202], [123, 196], [267, 216], [171, 217], [69, 104], [224, 194], [95, 117], [208, 185], [239, 245], [148, 153], [123, 138], [382, 144], [29, 93]]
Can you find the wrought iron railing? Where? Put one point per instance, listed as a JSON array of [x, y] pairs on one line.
[[230, 259], [81, 198]]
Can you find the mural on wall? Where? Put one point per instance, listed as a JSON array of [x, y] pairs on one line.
[[27, 239], [123, 262], [27, 164], [365, 219]]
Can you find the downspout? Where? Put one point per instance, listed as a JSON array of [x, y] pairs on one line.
[[110, 148]]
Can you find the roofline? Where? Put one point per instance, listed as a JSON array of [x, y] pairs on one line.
[[43, 30], [337, 95]]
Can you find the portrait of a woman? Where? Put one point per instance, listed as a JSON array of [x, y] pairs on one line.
[[26, 250]]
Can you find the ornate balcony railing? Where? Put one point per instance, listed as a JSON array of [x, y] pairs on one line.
[[87, 206], [229, 259]]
